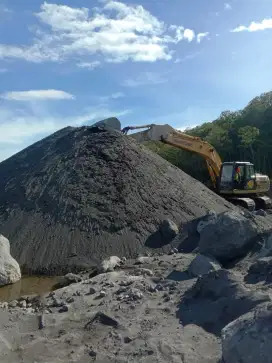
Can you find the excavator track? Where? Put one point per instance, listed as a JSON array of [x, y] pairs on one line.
[[263, 202], [246, 203]]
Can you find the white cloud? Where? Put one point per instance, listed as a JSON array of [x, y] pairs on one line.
[[37, 95], [189, 34], [21, 127], [113, 96], [253, 27], [4, 9], [3, 70], [201, 36], [145, 78], [117, 95], [187, 128], [116, 30], [89, 65], [227, 6]]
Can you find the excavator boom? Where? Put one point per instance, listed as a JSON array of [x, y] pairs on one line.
[[169, 135], [249, 193]]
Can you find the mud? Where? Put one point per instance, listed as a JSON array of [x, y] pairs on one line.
[[28, 285]]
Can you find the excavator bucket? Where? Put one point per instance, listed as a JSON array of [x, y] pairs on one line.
[[154, 133]]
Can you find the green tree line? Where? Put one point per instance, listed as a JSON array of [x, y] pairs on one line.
[[244, 135]]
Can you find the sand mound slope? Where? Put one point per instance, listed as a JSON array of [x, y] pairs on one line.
[[81, 194]]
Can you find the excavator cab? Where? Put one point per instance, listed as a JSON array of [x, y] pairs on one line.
[[236, 177]]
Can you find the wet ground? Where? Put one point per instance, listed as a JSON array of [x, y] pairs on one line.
[[28, 285]]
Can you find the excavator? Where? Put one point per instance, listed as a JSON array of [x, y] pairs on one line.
[[248, 190]]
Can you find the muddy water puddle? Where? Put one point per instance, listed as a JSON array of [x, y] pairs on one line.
[[28, 285]]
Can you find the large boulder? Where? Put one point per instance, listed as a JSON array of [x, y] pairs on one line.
[[216, 299], [228, 236], [109, 264], [248, 339], [266, 249], [260, 270], [202, 265], [168, 229], [9, 268]]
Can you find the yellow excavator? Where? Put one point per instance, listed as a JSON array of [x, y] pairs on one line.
[[236, 181]]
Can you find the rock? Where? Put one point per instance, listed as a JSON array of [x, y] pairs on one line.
[[70, 300], [109, 264], [102, 294], [63, 309], [134, 294], [127, 340], [103, 319], [41, 322], [209, 219], [248, 339], [4, 305], [13, 304], [261, 212], [260, 270], [144, 272], [266, 249], [228, 237], [143, 260], [168, 229], [92, 353], [9, 268], [22, 304], [202, 265], [56, 303], [91, 291], [216, 299]]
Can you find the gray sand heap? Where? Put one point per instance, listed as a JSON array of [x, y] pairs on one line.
[[83, 194]]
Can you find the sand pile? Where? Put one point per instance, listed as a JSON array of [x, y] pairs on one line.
[[82, 194]]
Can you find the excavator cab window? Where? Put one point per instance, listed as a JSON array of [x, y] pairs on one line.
[[244, 176], [237, 176]]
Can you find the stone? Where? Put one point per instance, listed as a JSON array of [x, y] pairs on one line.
[[70, 300], [56, 303], [13, 304], [63, 309], [209, 219], [102, 293], [248, 338], [168, 229], [142, 260], [216, 299], [261, 270], [22, 304], [91, 291], [92, 353], [261, 212], [144, 272], [10, 271], [229, 236], [109, 264], [266, 249], [201, 265]]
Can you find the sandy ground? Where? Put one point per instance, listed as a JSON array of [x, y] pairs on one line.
[[129, 315]]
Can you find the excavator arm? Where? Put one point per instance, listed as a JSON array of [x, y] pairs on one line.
[[170, 136]]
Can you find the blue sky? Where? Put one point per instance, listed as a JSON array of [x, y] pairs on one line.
[[178, 62]]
